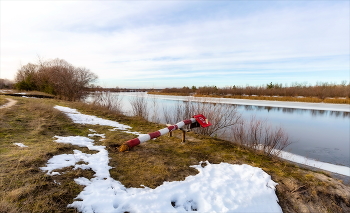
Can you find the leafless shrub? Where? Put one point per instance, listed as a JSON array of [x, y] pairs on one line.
[[139, 106], [220, 115], [168, 118], [57, 77], [108, 100], [258, 134]]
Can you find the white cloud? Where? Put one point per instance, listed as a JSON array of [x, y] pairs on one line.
[[126, 40]]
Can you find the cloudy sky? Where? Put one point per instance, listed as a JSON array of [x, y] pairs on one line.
[[147, 44]]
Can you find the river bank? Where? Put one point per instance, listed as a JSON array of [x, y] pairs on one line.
[[34, 122], [310, 99], [264, 103]]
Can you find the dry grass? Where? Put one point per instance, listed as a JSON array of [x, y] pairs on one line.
[[3, 100], [25, 188]]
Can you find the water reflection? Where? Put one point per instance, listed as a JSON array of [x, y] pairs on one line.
[[314, 113], [319, 134]]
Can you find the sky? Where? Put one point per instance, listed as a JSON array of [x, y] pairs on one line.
[[158, 44]]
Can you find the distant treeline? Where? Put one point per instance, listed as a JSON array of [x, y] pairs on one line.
[[6, 84], [117, 89], [56, 77], [320, 90]]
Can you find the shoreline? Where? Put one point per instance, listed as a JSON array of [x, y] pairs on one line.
[[318, 165], [264, 103]]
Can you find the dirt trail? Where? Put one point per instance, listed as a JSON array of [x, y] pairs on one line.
[[9, 104]]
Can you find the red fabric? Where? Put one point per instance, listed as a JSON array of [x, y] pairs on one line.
[[133, 142], [155, 134]]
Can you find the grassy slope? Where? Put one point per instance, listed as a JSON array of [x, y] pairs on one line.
[[25, 188], [3, 100]]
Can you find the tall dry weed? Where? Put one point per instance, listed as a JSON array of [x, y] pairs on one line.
[[260, 135], [139, 106], [108, 100]]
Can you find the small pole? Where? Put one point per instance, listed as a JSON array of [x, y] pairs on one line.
[[183, 136], [170, 133]]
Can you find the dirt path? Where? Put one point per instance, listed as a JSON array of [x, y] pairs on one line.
[[9, 104]]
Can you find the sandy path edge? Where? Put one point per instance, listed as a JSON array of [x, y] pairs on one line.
[[9, 104]]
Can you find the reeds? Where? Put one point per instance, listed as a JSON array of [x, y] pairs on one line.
[[108, 100], [139, 106], [259, 135]]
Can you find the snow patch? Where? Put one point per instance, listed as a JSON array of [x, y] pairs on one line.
[[343, 170], [80, 118], [97, 162], [20, 144], [217, 188]]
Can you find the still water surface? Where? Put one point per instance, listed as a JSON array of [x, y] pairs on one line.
[[318, 134]]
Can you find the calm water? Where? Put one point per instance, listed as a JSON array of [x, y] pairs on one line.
[[317, 134]]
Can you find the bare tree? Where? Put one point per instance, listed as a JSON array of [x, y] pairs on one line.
[[57, 77]]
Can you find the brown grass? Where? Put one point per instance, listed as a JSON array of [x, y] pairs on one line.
[[3, 100], [25, 188]]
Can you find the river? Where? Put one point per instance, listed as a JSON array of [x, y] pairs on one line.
[[318, 131]]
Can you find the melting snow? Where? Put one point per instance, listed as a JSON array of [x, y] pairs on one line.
[[217, 188], [77, 117], [343, 170], [20, 144]]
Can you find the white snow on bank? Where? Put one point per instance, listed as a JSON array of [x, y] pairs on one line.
[[20, 144], [217, 188], [97, 162], [80, 118], [283, 104], [343, 170]]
